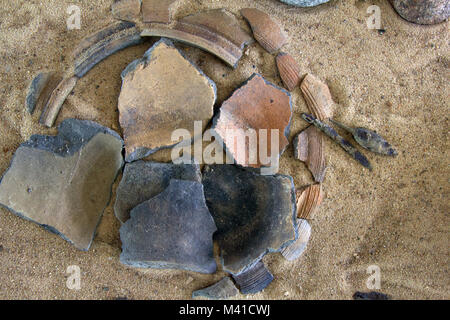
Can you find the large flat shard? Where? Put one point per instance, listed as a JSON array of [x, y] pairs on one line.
[[64, 182], [162, 92], [171, 231], [254, 214]]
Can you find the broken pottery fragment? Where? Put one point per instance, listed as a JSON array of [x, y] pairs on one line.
[[289, 70], [63, 182], [40, 89], [309, 147], [295, 250], [104, 43], [254, 214], [422, 11], [224, 289], [372, 295], [171, 231], [309, 200], [216, 31], [158, 11], [256, 117], [318, 97], [266, 31], [304, 3], [160, 93], [254, 280], [144, 180], [127, 10], [56, 100]]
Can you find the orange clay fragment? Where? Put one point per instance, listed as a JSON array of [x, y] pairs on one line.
[[318, 97], [289, 70], [308, 201]]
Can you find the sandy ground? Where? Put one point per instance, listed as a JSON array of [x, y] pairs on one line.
[[396, 217]]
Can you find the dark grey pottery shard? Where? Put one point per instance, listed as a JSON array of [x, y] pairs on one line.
[[224, 289], [144, 180], [254, 214], [255, 279], [171, 231], [63, 182]]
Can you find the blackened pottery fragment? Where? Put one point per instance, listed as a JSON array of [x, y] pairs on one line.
[[296, 249], [224, 289], [254, 280]]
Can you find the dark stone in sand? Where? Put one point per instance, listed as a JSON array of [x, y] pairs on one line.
[[373, 295], [422, 11]]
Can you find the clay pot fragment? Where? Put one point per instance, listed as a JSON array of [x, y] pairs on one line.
[[160, 93], [304, 3], [254, 214], [422, 11], [254, 280], [318, 97], [309, 147], [251, 118], [64, 182], [158, 11], [309, 200], [103, 44], [144, 180], [171, 231], [266, 31], [289, 70], [296, 249], [224, 289], [126, 10], [40, 89]]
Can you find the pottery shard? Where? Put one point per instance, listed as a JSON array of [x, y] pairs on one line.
[[317, 96], [309, 147], [144, 180], [224, 289], [127, 10], [289, 70], [296, 249], [157, 10], [254, 214], [254, 122], [266, 31], [423, 11], [171, 231], [64, 182], [308, 201], [40, 89], [304, 3], [254, 280], [161, 93]]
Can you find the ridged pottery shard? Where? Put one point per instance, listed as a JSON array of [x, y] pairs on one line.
[[216, 31], [63, 182], [422, 11], [268, 33], [317, 96], [104, 43], [160, 93], [255, 121], [309, 147], [289, 70], [56, 100], [157, 10], [224, 289], [40, 89], [304, 3], [127, 10], [295, 250], [254, 280], [308, 201], [254, 214], [171, 231], [144, 180]]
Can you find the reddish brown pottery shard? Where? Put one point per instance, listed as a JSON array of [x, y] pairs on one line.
[[310, 148], [157, 10], [289, 70], [215, 31], [309, 200], [268, 33], [127, 10], [161, 93], [248, 121], [317, 96]]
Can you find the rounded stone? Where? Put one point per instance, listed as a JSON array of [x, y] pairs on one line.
[[422, 11]]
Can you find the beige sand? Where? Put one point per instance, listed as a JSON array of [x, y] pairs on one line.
[[395, 217]]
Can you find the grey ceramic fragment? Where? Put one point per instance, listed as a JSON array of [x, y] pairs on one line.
[[254, 214], [171, 231], [40, 90], [295, 250], [255, 279], [304, 3], [144, 180], [224, 289], [64, 182]]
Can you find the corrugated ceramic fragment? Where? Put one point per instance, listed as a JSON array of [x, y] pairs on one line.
[[224, 289], [40, 89], [317, 96], [289, 70], [309, 200], [304, 3], [295, 250], [254, 280], [127, 10]]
